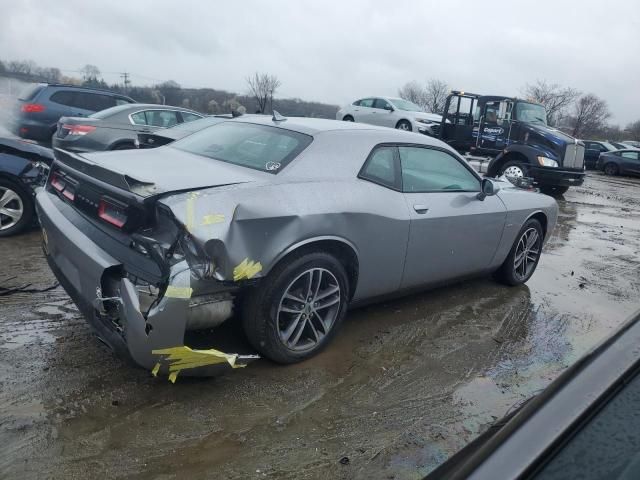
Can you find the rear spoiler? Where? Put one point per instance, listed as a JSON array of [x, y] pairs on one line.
[[109, 177]]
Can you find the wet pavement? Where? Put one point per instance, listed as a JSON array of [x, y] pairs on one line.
[[404, 385]]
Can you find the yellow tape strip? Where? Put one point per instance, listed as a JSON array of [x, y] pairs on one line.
[[155, 370], [246, 269], [212, 219], [180, 358], [178, 292], [190, 213]]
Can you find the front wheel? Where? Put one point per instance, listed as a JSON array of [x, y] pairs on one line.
[[348, 118], [524, 255], [611, 169], [514, 170], [404, 125], [297, 309], [16, 208]]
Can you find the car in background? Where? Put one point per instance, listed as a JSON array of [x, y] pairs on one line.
[[584, 425], [621, 146], [287, 221], [41, 105], [620, 162], [117, 128], [593, 149], [631, 143], [24, 166], [391, 112]]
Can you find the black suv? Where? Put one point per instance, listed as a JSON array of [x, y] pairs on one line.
[[41, 105]]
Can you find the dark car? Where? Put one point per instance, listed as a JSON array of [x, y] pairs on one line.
[[166, 136], [584, 425], [117, 128], [23, 167], [41, 105], [593, 149], [620, 145], [620, 162]]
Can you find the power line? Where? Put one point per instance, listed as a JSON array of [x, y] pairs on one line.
[[125, 80]]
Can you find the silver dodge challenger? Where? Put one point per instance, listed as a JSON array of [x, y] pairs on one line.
[[279, 223]]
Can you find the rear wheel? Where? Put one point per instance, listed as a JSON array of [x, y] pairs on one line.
[[611, 169], [297, 309], [404, 125], [523, 258], [16, 208], [348, 118]]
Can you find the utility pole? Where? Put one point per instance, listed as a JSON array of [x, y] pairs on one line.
[[125, 80]]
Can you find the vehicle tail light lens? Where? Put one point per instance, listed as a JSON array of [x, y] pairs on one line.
[[78, 129], [111, 213], [32, 108], [56, 182]]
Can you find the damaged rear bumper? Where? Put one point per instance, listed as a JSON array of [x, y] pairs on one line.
[[154, 342]]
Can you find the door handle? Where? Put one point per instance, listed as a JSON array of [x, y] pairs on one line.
[[421, 209]]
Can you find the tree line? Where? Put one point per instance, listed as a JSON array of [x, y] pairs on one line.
[[582, 115], [259, 96]]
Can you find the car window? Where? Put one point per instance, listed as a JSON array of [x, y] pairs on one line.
[[382, 104], [155, 118], [189, 117], [367, 102], [261, 147], [122, 101], [429, 170], [356, 103], [63, 98], [139, 118], [90, 101], [381, 167], [631, 155]]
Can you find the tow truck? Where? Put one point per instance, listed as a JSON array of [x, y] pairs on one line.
[[510, 136]]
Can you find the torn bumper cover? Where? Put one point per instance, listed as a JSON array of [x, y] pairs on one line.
[[154, 342]]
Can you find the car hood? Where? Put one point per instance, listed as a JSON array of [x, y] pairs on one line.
[[552, 134], [160, 170]]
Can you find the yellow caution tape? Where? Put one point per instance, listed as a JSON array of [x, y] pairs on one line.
[[178, 292], [155, 370], [246, 269], [180, 358], [190, 210]]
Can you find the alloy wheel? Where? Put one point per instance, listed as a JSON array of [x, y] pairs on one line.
[[11, 208], [527, 253], [308, 309], [513, 171], [403, 126]]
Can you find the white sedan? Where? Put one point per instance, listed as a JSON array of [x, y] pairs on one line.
[[393, 113]]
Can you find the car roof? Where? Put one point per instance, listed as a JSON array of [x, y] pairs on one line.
[[82, 87], [309, 126]]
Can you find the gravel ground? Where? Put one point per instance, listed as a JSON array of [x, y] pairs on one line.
[[405, 384]]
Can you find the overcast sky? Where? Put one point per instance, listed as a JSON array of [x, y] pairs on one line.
[[336, 51]]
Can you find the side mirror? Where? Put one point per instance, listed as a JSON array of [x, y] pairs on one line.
[[389, 108], [487, 189]]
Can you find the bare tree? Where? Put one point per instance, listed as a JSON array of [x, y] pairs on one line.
[[556, 99], [263, 87], [436, 93], [413, 92], [90, 72], [632, 131], [590, 116]]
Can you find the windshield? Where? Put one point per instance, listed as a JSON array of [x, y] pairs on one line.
[[260, 147], [405, 105], [531, 113], [609, 146]]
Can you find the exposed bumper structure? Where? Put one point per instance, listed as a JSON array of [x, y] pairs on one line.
[[154, 342]]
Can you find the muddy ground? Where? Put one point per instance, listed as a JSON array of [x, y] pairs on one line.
[[404, 385]]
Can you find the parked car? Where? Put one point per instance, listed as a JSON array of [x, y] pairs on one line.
[[391, 112], [631, 143], [289, 220], [620, 162], [593, 149], [585, 424], [41, 105], [23, 167], [117, 128], [621, 146]]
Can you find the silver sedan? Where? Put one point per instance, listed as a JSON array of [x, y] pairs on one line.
[[286, 222]]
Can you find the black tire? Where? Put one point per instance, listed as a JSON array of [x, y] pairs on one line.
[[553, 190], [260, 307], [124, 146], [514, 164], [404, 125], [611, 169], [26, 202], [348, 118], [507, 273]]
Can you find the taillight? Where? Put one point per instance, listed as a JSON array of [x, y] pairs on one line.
[[111, 213], [32, 108], [78, 129], [56, 182]]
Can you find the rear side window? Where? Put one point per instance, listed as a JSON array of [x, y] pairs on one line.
[[382, 168], [93, 102], [260, 147], [65, 97], [429, 170], [189, 117], [630, 155], [367, 102], [155, 118], [30, 92]]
